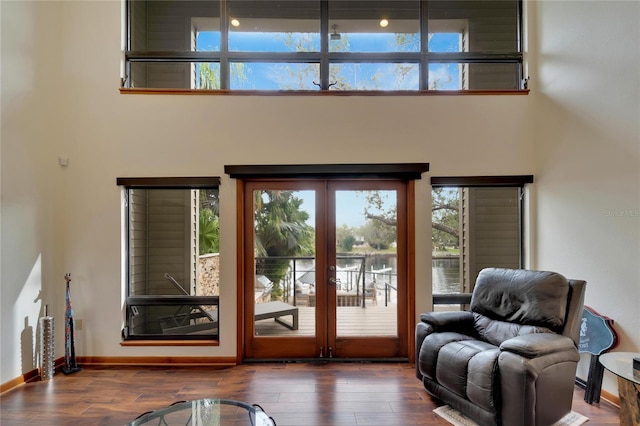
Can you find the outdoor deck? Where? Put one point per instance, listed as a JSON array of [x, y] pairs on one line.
[[352, 321]]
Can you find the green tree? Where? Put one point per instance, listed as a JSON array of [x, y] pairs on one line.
[[281, 230], [345, 238], [209, 74], [208, 77], [445, 217], [378, 234], [209, 235]]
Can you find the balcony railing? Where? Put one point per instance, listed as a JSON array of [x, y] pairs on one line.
[[355, 276]]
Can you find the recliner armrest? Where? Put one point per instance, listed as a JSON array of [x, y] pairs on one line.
[[538, 344], [452, 320]]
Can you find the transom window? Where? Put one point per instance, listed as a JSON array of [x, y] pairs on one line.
[[311, 45]]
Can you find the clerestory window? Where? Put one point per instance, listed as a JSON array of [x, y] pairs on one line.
[[172, 248], [322, 45]]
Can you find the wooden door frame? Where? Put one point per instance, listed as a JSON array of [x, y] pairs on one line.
[[303, 344], [346, 346], [410, 262], [407, 171]]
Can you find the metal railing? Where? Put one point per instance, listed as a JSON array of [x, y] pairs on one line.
[[297, 277]]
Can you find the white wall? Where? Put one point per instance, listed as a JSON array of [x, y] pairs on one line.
[[106, 135], [30, 267], [586, 79]]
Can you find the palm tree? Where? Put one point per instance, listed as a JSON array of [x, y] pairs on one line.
[[209, 239], [281, 230]]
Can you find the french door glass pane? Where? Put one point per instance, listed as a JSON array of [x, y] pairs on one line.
[[366, 263], [284, 250]]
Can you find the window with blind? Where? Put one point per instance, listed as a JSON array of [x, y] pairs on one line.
[[305, 45], [172, 248], [477, 223]]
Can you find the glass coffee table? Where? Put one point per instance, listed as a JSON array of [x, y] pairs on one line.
[[205, 412], [621, 364]]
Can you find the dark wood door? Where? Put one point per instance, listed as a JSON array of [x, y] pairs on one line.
[[325, 269]]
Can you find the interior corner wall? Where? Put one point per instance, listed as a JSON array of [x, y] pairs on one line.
[[30, 271], [585, 79]]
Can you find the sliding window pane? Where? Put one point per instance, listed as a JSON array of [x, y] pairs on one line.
[[447, 42], [274, 26], [487, 76], [207, 41], [161, 75], [171, 26], [206, 76], [274, 76], [175, 75], [446, 76], [377, 26], [374, 76], [474, 76], [172, 321], [486, 26]]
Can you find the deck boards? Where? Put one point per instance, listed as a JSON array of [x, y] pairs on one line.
[[352, 321]]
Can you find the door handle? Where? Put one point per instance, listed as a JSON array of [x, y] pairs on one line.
[[333, 281]]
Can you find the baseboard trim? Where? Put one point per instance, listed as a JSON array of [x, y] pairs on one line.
[[153, 361], [609, 397], [163, 361], [27, 377]]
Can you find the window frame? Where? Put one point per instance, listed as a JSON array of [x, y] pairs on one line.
[[423, 58], [132, 302]]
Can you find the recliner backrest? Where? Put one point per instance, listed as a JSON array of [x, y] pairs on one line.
[[534, 298], [575, 305]]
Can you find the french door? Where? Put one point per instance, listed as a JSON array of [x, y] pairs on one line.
[[324, 269]]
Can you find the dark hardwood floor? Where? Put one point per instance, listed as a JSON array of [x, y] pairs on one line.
[[300, 394]]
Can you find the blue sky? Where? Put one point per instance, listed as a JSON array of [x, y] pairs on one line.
[[351, 205]]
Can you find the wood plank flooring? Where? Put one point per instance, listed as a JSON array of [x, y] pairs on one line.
[[299, 394]]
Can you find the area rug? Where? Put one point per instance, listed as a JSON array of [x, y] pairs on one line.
[[458, 419]]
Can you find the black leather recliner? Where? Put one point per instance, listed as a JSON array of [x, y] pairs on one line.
[[511, 359]]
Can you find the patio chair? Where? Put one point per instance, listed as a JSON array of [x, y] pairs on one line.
[[188, 319]]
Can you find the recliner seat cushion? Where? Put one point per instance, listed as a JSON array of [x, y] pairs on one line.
[[536, 298], [468, 368], [496, 332], [430, 351]]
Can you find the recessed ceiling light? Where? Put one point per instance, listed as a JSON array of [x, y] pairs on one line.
[[235, 22], [384, 22]]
